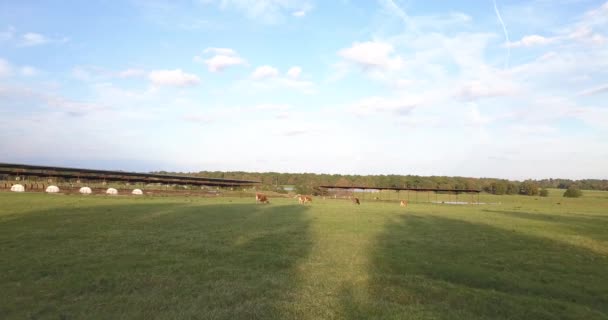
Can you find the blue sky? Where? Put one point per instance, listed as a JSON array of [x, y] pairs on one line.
[[511, 89]]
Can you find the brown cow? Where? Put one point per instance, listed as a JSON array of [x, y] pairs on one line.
[[403, 203], [261, 198], [356, 201], [304, 199]]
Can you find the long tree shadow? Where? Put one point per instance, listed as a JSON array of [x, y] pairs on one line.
[[545, 217], [590, 226], [226, 261], [440, 268]]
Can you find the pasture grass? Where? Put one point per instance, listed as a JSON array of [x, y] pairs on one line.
[[99, 257]]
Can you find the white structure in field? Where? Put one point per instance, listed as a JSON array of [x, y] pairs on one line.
[[85, 190], [137, 192], [112, 191], [52, 189], [17, 188]]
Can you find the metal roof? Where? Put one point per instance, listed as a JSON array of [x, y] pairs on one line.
[[64, 172], [403, 189]]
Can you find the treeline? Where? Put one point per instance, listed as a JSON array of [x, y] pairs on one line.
[[307, 183]]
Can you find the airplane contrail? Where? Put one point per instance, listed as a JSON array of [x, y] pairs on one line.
[[399, 12], [504, 28]]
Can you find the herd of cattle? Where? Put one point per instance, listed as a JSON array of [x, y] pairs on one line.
[[262, 198]]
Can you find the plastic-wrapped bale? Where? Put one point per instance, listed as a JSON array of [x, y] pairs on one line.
[[85, 190], [137, 192], [52, 189], [17, 188], [112, 191]]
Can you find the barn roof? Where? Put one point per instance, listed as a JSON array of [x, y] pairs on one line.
[[109, 175], [403, 189]]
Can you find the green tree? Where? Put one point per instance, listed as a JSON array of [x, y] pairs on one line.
[[528, 188], [544, 192], [573, 192]]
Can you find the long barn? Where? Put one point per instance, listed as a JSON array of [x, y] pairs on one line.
[[93, 175]]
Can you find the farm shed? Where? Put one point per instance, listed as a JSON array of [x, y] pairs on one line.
[[17, 188], [52, 189], [85, 190]]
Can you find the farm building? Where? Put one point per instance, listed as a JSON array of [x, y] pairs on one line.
[[85, 190], [17, 188]]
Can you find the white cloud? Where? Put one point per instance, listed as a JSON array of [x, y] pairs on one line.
[[221, 51], [5, 68], [594, 91], [175, 78], [131, 73], [530, 41], [294, 72], [71, 107], [273, 107], [82, 73], [33, 39], [7, 34], [375, 105], [485, 89], [475, 117], [372, 54], [222, 58], [269, 78], [28, 71], [200, 119], [299, 13], [265, 72], [266, 11], [97, 73]]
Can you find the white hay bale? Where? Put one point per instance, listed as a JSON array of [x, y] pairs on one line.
[[17, 188], [112, 191], [137, 192], [52, 189], [85, 190]]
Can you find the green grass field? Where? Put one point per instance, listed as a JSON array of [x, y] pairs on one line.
[[97, 257]]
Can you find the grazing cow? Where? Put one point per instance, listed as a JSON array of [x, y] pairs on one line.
[[403, 203], [355, 201], [261, 198], [304, 199]]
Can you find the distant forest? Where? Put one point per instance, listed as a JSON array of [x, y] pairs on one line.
[[307, 183]]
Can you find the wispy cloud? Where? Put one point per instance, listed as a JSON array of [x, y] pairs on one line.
[[220, 58], [266, 11], [5, 68], [173, 78], [265, 72], [34, 39], [594, 91], [372, 54], [7, 34], [28, 71]]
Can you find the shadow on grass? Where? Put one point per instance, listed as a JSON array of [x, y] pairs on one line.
[[168, 260], [584, 219], [440, 268], [593, 226]]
